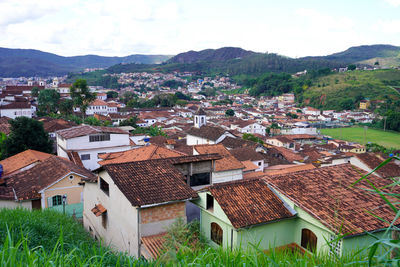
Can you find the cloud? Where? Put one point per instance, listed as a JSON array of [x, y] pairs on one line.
[[395, 3], [387, 26]]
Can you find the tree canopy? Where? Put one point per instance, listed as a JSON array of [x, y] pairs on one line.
[[81, 95], [26, 134]]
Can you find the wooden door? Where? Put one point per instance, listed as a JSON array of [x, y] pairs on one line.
[[308, 240], [36, 204]]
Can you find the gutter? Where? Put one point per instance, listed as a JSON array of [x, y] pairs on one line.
[[165, 203]]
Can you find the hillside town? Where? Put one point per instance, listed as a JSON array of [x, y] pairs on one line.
[[249, 169]]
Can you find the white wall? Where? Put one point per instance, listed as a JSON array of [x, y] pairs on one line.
[[11, 204], [194, 140], [226, 176], [14, 113], [122, 225], [82, 142]]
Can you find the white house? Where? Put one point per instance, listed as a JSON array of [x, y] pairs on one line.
[[202, 134], [97, 107], [89, 141], [17, 109], [311, 111], [101, 96], [251, 127]]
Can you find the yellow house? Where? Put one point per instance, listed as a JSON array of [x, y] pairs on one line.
[[364, 104], [51, 183]]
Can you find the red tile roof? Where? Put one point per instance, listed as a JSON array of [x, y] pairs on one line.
[[27, 184], [98, 210], [139, 154], [21, 160], [325, 193], [150, 182], [249, 202], [226, 163], [83, 130], [154, 244], [373, 160]]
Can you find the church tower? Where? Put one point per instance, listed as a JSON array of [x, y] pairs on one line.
[[200, 118]]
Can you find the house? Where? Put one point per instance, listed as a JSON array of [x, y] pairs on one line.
[[202, 134], [364, 104], [17, 109], [97, 107], [22, 161], [354, 148], [245, 154], [128, 203], [45, 183], [251, 127], [303, 209], [101, 96], [369, 161], [235, 214], [88, 142], [281, 141], [228, 168]]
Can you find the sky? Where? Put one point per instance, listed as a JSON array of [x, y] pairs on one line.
[[120, 28]]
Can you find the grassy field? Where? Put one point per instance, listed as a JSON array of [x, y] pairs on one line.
[[356, 134]]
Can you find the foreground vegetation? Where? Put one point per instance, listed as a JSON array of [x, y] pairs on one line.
[[387, 139]]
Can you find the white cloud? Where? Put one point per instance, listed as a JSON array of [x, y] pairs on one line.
[[387, 26], [395, 3]]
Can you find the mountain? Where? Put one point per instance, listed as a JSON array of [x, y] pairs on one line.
[[30, 62], [210, 55], [361, 53]]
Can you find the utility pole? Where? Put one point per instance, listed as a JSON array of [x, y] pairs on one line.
[[365, 133], [384, 124]]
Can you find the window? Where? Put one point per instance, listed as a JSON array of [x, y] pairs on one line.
[[104, 220], [104, 186], [259, 163], [71, 177], [216, 233], [210, 202], [308, 240], [200, 179], [335, 245], [85, 157], [99, 137], [56, 200]]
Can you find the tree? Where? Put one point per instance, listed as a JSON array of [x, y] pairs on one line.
[[129, 122], [66, 107], [351, 67], [35, 91], [81, 95], [346, 104], [26, 134], [230, 113], [48, 101], [112, 94], [252, 137]]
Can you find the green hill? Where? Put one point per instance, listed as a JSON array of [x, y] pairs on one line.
[[30, 62], [334, 91]]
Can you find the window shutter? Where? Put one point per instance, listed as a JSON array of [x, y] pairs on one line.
[[49, 202]]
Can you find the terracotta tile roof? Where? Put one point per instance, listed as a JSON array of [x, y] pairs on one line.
[[281, 138], [28, 183], [200, 111], [226, 163], [373, 160], [249, 166], [57, 124], [83, 130], [253, 175], [282, 169], [207, 132], [325, 194], [246, 153], [230, 142], [74, 157], [150, 182], [139, 154], [5, 126], [154, 244], [21, 160], [249, 202], [98, 102], [288, 154], [98, 210], [300, 136], [17, 105]]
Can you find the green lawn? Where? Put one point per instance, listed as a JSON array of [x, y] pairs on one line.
[[356, 134]]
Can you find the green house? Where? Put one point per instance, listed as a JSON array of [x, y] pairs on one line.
[[306, 209]]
